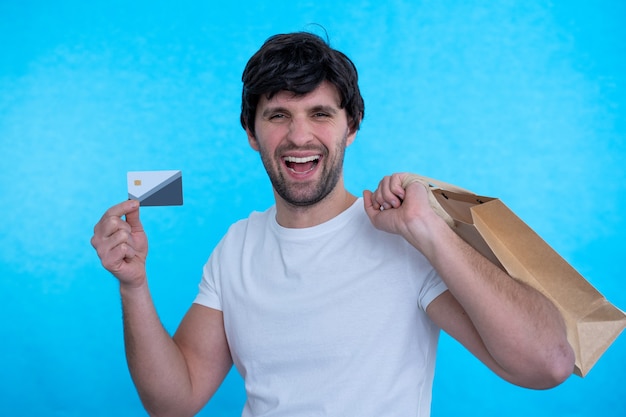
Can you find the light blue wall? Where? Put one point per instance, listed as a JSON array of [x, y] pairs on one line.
[[521, 100]]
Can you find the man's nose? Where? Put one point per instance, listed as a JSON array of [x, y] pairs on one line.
[[300, 131]]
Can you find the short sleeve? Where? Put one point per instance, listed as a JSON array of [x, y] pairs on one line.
[[209, 294], [432, 288]]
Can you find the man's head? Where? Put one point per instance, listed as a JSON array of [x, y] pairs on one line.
[[298, 63]]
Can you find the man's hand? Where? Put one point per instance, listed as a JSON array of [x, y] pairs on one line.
[[122, 244], [394, 209]]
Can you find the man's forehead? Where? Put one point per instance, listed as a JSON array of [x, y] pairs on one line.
[[325, 94]]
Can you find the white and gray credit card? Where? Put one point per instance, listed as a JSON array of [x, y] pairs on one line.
[[156, 188]]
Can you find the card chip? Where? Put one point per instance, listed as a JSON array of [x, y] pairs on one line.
[[137, 182]]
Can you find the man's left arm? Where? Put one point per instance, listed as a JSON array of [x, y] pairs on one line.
[[511, 327]]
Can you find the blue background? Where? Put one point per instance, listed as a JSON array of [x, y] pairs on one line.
[[520, 100]]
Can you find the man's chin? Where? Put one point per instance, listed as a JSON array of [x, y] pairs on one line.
[[302, 199]]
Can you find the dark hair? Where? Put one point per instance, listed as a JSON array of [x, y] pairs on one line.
[[299, 62]]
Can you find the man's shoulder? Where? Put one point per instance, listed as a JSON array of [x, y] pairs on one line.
[[255, 220]]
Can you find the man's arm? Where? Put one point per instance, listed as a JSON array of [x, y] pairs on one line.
[[174, 376], [510, 326]]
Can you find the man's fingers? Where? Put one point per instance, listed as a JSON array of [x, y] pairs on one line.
[[367, 201], [112, 237], [105, 244], [390, 192], [372, 209], [395, 185], [121, 209], [115, 258], [132, 218], [111, 220], [120, 242], [109, 225]]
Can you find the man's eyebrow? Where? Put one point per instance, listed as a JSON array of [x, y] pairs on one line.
[[324, 109]]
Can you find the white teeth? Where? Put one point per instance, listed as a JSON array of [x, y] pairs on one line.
[[301, 160]]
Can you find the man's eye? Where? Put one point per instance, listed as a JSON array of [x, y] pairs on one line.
[[320, 114], [277, 116]]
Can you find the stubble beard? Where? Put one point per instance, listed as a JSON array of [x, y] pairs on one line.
[[306, 193]]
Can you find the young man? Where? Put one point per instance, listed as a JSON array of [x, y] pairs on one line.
[[327, 304]]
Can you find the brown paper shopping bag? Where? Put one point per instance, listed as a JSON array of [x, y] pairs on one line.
[[495, 231]]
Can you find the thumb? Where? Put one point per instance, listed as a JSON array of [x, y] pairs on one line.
[[368, 204], [132, 218]]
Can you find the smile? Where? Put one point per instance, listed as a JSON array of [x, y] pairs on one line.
[[301, 165]]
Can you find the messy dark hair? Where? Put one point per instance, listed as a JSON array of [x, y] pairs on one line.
[[299, 62]]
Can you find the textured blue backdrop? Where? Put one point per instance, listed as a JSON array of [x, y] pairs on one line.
[[521, 100]]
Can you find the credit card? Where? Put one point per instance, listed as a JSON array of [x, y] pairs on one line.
[[156, 188]]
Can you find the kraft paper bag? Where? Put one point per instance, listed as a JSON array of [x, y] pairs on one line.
[[496, 232]]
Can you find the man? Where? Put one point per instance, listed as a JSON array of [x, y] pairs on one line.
[[326, 303]]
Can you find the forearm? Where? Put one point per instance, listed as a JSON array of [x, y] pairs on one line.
[[520, 328], [156, 364]]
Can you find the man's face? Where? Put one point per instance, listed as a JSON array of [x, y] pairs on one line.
[[302, 141]]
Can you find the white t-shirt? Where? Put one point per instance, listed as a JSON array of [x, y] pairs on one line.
[[328, 320]]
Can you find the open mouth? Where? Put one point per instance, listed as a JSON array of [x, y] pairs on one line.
[[302, 165]]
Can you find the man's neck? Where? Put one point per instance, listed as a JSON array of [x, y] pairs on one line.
[[297, 217]]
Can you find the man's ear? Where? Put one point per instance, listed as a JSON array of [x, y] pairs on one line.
[[351, 137], [352, 132], [254, 144]]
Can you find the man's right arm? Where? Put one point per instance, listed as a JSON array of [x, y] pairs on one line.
[[173, 376]]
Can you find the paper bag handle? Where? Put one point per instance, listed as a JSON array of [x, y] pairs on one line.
[[430, 185]]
